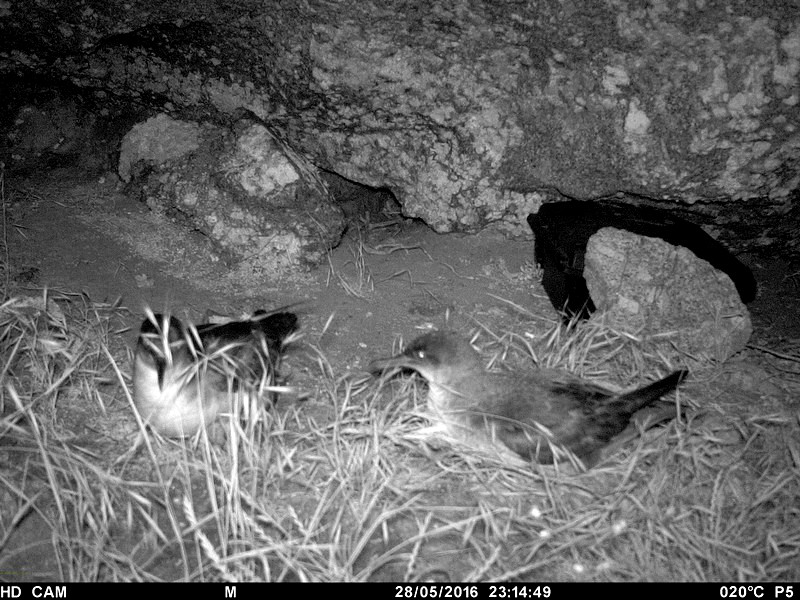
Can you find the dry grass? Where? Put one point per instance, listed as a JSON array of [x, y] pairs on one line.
[[343, 488], [360, 283]]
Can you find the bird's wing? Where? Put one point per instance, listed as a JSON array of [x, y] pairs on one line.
[[565, 411], [539, 415], [272, 328]]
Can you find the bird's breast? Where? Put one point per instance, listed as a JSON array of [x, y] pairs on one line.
[[184, 402], [449, 401]]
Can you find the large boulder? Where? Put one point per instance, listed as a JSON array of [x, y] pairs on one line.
[[263, 206], [650, 289]]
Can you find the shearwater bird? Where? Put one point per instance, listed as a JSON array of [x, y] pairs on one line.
[[541, 415], [185, 375]]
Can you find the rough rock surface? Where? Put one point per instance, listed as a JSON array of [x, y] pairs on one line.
[[261, 204], [647, 287], [42, 128], [471, 113], [157, 141], [562, 230]]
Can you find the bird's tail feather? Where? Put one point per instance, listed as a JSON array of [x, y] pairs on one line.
[[277, 326], [640, 398]]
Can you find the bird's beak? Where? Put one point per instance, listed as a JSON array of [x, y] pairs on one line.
[[401, 361]]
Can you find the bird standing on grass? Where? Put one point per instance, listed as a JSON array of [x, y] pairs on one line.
[[185, 375], [543, 415]]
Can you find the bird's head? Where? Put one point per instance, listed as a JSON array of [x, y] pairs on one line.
[[160, 337], [440, 356]]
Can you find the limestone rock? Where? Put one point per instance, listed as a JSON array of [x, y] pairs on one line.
[[262, 205], [50, 127], [648, 287], [562, 230], [472, 113], [156, 141]]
